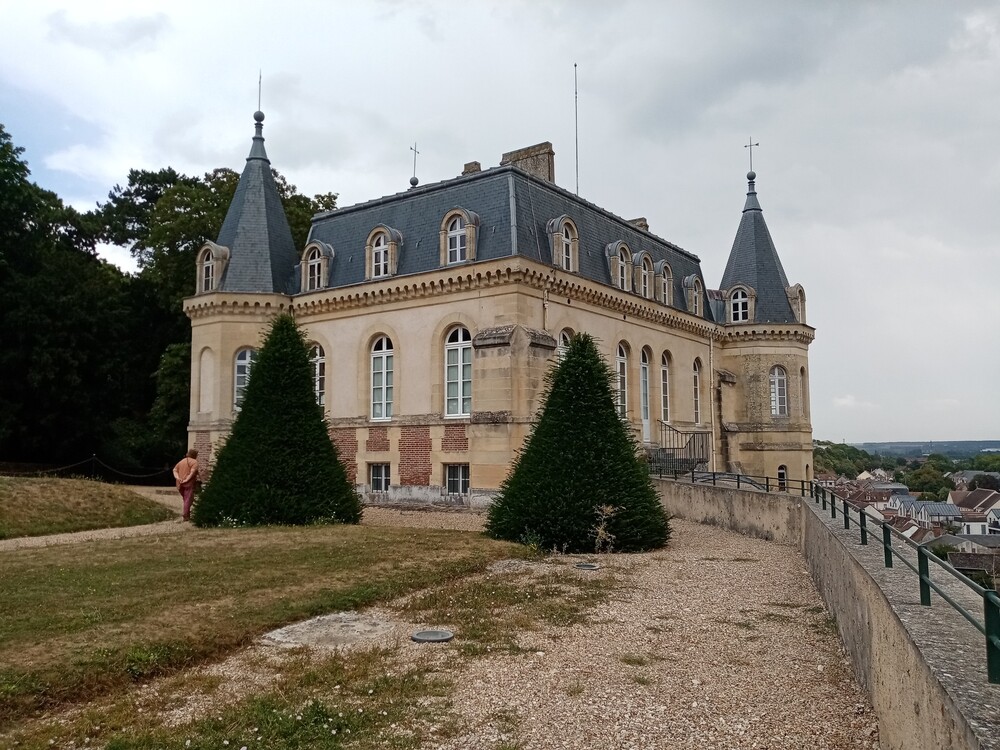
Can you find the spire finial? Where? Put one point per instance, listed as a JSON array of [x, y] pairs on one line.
[[260, 80], [750, 146], [413, 180]]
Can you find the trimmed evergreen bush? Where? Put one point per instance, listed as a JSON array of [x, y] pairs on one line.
[[578, 483], [279, 465]]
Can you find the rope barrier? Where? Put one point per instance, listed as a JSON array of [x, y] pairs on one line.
[[133, 476], [93, 460]]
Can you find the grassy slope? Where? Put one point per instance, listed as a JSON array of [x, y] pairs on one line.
[[87, 619], [33, 507]]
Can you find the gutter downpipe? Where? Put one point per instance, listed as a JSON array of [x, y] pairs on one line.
[[711, 390]]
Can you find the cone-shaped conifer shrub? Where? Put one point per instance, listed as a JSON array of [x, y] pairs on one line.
[[279, 465], [578, 483]]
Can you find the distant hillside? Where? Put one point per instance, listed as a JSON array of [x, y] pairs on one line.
[[950, 448]]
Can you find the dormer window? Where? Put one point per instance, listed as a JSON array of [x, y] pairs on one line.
[[695, 293], [739, 307], [564, 243], [646, 278], [211, 264], [315, 266], [458, 236], [382, 252], [664, 283]]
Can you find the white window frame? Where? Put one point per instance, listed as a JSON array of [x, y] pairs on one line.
[[696, 298], [739, 307], [666, 285], [382, 379], [207, 271], [314, 270], [457, 240], [380, 256], [379, 477], [665, 387], [317, 358], [782, 478], [458, 373], [565, 335], [567, 246], [646, 278], [696, 372], [621, 373], [778, 380], [624, 261], [456, 479], [243, 363]]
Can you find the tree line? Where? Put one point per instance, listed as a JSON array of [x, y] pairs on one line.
[[94, 360]]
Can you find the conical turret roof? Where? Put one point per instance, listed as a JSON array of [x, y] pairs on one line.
[[754, 261], [256, 231]]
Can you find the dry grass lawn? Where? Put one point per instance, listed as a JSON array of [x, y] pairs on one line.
[[34, 507]]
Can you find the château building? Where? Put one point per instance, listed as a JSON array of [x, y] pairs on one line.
[[435, 313]]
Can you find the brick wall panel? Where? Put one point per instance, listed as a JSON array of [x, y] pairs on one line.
[[455, 439], [378, 439], [415, 456], [346, 440]]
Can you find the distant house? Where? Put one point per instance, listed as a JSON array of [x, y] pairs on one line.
[[961, 479], [979, 501], [939, 514]]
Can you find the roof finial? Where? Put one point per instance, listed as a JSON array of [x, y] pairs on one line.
[[413, 180], [751, 175]]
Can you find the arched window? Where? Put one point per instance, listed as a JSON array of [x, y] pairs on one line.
[[696, 295], [644, 358], [458, 373], [563, 346], [380, 256], [803, 393], [314, 270], [739, 307], [317, 358], [621, 372], [624, 265], [646, 278], [457, 240], [207, 271], [779, 392], [782, 478], [666, 285], [382, 378], [665, 387], [697, 391], [245, 359], [566, 247]]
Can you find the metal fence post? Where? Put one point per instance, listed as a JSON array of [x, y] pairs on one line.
[[833, 508], [847, 516], [863, 521], [737, 481], [925, 575], [824, 501], [887, 545], [991, 621], [767, 484]]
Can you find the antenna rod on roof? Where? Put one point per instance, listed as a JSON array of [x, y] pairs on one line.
[[576, 126]]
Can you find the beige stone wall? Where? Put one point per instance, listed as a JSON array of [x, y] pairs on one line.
[[516, 309]]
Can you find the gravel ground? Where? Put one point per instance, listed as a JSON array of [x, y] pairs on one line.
[[718, 641]]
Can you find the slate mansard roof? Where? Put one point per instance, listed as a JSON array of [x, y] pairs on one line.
[[754, 262], [513, 207], [256, 231]]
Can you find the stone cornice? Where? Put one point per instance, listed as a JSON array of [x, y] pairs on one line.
[[232, 303]]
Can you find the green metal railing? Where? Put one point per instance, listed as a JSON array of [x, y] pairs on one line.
[[989, 627], [800, 487]]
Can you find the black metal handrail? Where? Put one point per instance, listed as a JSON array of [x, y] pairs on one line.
[[801, 487], [989, 627]]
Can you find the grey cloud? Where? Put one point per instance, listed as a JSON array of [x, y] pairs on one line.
[[111, 37]]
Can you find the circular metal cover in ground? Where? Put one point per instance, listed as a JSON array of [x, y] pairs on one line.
[[432, 636], [587, 566]]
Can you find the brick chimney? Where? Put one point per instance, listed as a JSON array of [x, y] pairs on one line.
[[472, 167], [538, 160]]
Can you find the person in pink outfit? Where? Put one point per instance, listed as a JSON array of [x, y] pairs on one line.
[[186, 477]]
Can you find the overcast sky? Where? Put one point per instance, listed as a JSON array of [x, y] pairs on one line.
[[878, 168]]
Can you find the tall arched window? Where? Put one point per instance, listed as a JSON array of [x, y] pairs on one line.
[[803, 393], [739, 307], [624, 266], [380, 256], [697, 391], [563, 346], [566, 249], [314, 267], [241, 375], [782, 478], [665, 387], [779, 392], [696, 294], [317, 357], [644, 358], [382, 378], [666, 285], [646, 278], [456, 240], [458, 373], [621, 372], [207, 271]]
